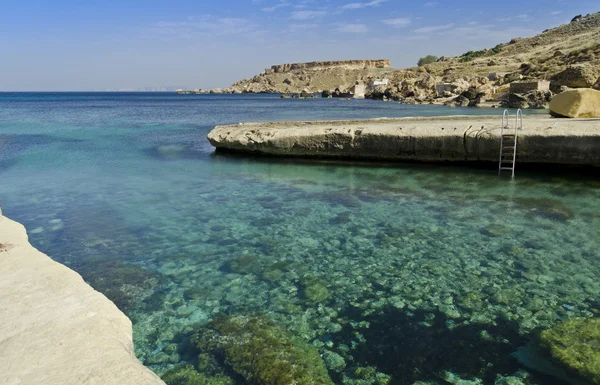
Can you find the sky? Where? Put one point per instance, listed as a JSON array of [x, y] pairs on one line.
[[77, 45]]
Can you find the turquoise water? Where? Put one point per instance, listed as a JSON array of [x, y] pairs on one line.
[[427, 273]]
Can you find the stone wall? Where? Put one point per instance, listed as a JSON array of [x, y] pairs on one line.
[[323, 65], [524, 87]]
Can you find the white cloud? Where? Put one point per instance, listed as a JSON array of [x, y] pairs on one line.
[[282, 4], [373, 3], [555, 13], [205, 25], [434, 28], [301, 27], [398, 22], [305, 15], [353, 28], [431, 4]]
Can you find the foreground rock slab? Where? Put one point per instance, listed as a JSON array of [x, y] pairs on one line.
[[440, 139], [56, 329], [579, 103]]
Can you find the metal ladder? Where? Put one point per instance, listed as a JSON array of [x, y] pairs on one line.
[[508, 143]]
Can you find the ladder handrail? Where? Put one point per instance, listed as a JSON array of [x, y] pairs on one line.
[[518, 126], [505, 120], [505, 128]]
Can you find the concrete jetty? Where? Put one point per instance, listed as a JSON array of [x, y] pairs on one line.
[[429, 139]]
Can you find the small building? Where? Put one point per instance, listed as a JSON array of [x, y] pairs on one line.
[[358, 91], [527, 86], [442, 88], [494, 76], [379, 82]]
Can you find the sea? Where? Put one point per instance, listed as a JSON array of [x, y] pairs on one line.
[[394, 272]]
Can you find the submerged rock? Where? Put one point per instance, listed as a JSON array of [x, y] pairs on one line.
[[262, 352], [187, 375], [575, 344]]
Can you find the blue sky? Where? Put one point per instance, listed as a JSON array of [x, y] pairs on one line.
[[130, 44]]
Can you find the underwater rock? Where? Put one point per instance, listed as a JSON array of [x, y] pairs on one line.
[[575, 344], [187, 375], [495, 230], [314, 290], [126, 284], [368, 375], [244, 264], [334, 361], [262, 352], [546, 208]]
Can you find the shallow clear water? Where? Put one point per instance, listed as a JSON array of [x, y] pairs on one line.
[[418, 270]]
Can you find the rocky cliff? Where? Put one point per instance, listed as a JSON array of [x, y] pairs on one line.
[[568, 56], [312, 77], [350, 65]]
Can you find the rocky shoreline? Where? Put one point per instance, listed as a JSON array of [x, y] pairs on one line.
[[442, 139], [521, 73], [56, 329]]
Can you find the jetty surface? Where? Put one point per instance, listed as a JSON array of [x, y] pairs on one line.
[[429, 139]]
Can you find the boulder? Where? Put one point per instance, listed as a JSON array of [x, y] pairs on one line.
[[517, 101], [578, 103], [597, 85], [459, 101], [575, 344], [578, 76], [539, 99]]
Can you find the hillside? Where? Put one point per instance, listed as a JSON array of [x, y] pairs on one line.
[[568, 55]]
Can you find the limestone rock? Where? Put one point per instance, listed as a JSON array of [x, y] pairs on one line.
[[578, 103], [65, 332], [545, 140], [576, 345], [578, 76], [262, 352], [459, 101]]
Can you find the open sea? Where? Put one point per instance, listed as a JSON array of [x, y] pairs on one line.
[[395, 273]]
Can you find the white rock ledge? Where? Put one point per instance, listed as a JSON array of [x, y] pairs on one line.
[[429, 139], [54, 328]]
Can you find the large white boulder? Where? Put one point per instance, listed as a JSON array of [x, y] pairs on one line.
[[577, 103]]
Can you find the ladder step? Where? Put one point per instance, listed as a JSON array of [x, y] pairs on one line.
[[506, 168]]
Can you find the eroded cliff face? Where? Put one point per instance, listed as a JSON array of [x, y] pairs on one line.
[[328, 65], [313, 77]]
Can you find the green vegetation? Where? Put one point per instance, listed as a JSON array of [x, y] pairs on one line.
[[314, 290], [262, 352], [187, 375], [576, 345], [472, 55], [427, 60]]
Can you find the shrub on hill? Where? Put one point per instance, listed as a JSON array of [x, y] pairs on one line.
[[427, 60]]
